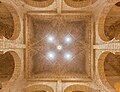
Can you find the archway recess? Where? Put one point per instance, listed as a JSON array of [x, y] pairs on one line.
[[79, 3], [109, 22], [9, 22], [10, 68], [39, 3], [6, 61], [38, 88], [80, 88], [109, 69]]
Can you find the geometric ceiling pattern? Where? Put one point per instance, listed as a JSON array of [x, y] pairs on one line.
[[59, 45]]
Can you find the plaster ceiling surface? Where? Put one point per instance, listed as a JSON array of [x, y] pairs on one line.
[[47, 59]]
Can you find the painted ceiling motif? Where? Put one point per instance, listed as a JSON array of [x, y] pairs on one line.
[[39, 3], [60, 49]]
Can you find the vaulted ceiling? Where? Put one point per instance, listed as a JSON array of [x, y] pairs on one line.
[[59, 45]]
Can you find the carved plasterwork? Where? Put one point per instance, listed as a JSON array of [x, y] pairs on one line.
[[9, 22], [38, 67], [106, 71], [110, 20], [24, 50], [10, 65]]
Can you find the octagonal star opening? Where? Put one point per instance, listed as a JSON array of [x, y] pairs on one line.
[[68, 39], [59, 47], [68, 56], [50, 39], [51, 55], [65, 41]]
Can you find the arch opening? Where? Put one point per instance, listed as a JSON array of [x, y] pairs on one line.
[[112, 68], [109, 26], [39, 3], [6, 61], [9, 22], [9, 68], [79, 3], [80, 88], [39, 88], [109, 69]]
